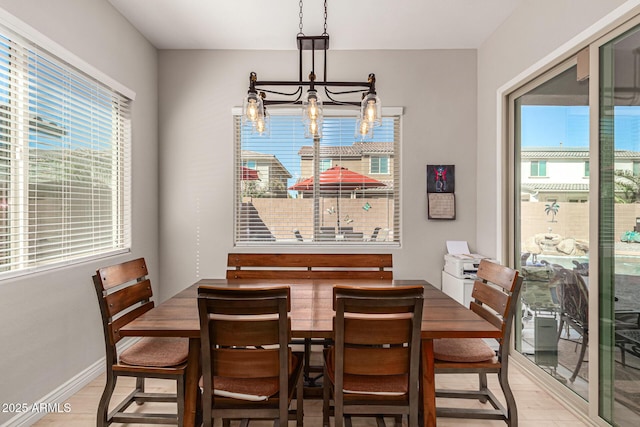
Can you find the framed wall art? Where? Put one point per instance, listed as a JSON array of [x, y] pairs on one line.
[[441, 185]]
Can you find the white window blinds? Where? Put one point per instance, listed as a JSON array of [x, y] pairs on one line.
[[64, 164], [278, 202]]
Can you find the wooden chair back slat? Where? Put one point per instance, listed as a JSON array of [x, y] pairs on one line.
[[497, 274], [126, 297], [119, 274], [245, 363], [309, 266], [376, 361], [377, 331], [244, 333], [487, 315], [493, 297], [117, 324], [244, 301]]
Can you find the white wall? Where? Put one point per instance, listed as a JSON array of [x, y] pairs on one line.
[[533, 31], [50, 323], [197, 92]]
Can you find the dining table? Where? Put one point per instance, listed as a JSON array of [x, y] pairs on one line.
[[312, 317]]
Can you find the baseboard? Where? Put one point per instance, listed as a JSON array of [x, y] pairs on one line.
[[59, 395], [64, 392]]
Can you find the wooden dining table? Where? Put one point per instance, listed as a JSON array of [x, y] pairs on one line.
[[312, 317]]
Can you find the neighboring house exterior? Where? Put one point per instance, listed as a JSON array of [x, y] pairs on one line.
[[373, 159], [557, 174], [273, 175]]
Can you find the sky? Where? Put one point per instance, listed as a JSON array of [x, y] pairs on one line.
[[568, 126]]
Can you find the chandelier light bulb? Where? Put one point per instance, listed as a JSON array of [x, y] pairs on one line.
[[312, 110], [260, 126], [364, 130], [311, 107], [371, 109], [252, 110]]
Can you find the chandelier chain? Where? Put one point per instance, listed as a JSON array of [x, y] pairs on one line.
[[325, 18], [300, 33]]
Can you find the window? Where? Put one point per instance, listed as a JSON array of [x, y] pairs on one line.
[[538, 168], [351, 206], [64, 164], [325, 164], [636, 168], [586, 168], [379, 164]]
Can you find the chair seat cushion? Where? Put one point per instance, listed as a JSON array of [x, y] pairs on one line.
[[464, 350], [251, 389], [382, 385], [157, 352]]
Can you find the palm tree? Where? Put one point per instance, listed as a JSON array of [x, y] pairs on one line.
[[629, 185], [553, 209]]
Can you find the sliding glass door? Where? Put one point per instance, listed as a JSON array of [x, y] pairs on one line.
[[575, 154], [619, 229], [552, 170]]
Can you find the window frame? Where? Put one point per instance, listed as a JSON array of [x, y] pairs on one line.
[[396, 113], [38, 49], [379, 159], [538, 163]]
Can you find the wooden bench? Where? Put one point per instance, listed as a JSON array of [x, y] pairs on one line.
[[309, 266]]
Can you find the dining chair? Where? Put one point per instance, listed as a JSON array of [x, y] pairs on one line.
[[495, 295], [248, 368], [573, 297], [124, 293], [373, 367]]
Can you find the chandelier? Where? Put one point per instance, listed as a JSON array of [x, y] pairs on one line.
[[307, 95]]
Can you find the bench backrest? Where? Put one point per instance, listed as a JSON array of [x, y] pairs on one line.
[[310, 266]]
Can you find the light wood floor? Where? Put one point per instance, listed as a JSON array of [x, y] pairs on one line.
[[536, 407]]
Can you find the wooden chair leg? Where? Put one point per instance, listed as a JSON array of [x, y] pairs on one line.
[[103, 406], [180, 399], [300, 401], [326, 407]]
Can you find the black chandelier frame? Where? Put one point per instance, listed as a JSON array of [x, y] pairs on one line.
[[314, 44]]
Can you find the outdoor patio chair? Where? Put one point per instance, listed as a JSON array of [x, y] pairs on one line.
[[495, 293], [573, 296], [124, 293]]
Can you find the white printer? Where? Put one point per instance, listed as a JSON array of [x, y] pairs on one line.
[[463, 266], [459, 272]]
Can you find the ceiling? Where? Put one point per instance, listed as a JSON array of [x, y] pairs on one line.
[[352, 24]]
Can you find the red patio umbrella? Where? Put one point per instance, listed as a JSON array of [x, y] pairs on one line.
[[336, 180], [249, 174]]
